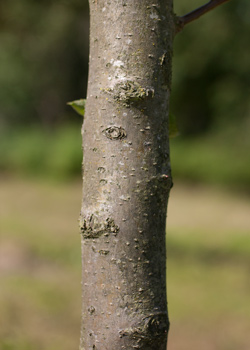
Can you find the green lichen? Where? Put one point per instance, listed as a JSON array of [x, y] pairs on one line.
[[130, 91], [92, 227]]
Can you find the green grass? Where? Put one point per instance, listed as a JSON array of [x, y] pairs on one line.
[[207, 248], [40, 294], [207, 263], [40, 268]]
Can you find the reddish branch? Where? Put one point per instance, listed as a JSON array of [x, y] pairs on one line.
[[193, 15]]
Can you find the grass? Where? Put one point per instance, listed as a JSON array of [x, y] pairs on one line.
[[40, 267]]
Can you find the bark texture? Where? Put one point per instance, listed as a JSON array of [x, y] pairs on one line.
[[126, 176]]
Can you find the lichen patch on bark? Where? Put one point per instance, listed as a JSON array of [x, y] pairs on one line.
[[92, 227], [131, 91]]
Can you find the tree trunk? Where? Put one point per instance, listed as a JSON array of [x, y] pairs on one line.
[[126, 176]]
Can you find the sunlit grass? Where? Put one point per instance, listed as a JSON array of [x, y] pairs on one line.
[[40, 265]]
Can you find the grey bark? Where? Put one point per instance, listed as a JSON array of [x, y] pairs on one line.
[[126, 176]]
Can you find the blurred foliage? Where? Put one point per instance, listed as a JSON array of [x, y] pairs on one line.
[[54, 154], [43, 60], [44, 64], [211, 68], [219, 158]]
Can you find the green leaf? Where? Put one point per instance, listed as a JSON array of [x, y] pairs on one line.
[[78, 106], [172, 127]]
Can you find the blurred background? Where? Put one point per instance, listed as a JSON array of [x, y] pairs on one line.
[[43, 65]]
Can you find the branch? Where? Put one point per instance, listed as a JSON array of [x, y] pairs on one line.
[[193, 15]]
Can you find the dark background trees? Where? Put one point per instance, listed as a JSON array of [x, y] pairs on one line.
[[44, 64]]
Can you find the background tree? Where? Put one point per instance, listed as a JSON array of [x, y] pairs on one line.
[[44, 62]]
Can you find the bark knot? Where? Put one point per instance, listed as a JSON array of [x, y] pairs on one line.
[[151, 330], [115, 133]]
